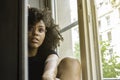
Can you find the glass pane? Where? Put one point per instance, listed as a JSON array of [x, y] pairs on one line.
[[67, 20], [75, 42], [70, 46], [108, 18]]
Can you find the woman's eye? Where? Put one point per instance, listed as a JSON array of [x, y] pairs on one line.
[[41, 30]]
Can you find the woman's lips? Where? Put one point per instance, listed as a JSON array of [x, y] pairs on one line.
[[35, 40]]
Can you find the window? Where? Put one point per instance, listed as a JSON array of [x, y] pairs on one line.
[[111, 51], [109, 36], [106, 2], [108, 20], [100, 37], [65, 14], [66, 17], [108, 50], [119, 12], [99, 24], [89, 41], [78, 23], [89, 47]]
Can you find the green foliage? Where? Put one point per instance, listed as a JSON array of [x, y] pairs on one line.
[[110, 66], [77, 50]]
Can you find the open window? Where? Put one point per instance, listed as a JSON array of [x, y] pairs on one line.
[[84, 24]]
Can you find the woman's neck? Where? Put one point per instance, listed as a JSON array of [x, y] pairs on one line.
[[32, 52]]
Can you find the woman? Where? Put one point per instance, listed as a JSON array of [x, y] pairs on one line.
[[43, 38]]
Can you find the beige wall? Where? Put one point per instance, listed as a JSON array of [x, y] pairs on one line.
[[36, 3]]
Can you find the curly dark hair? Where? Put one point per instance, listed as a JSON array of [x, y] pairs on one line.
[[53, 36]]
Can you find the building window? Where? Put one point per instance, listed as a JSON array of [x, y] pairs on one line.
[[109, 36], [106, 2], [108, 20], [99, 24], [119, 12], [111, 51], [100, 37]]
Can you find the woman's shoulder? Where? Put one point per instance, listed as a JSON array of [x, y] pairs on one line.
[[47, 51]]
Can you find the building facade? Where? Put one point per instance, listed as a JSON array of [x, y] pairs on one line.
[[108, 14]]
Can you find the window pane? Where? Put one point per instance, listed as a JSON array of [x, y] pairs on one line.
[[67, 20], [70, 45], [108, 19]]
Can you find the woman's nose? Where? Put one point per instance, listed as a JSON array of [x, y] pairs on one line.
[[35, 31]]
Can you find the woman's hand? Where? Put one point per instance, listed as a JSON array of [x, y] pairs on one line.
[[48, 76]]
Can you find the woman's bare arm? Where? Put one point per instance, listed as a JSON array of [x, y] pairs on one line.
[[50, 70]]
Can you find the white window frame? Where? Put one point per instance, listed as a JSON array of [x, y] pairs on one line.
[[89, 42], [24, 48]]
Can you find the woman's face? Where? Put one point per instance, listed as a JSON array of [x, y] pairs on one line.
[[36, 34]]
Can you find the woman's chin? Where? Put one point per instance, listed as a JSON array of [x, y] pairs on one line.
[[34, 46]]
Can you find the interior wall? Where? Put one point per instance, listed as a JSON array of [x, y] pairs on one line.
[[36, 3], [9, 39]]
